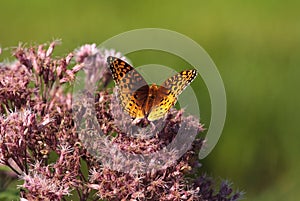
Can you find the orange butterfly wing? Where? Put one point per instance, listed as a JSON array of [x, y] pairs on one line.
[[132, 88], [168, 93]]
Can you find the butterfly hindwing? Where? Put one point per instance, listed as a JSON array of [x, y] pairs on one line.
[[132, 88], [169, 92]]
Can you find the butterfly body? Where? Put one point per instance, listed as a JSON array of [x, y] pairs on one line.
[[142, 101], [149, 97]]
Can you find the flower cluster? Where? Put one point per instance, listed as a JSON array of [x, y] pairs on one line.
[[41, 142]]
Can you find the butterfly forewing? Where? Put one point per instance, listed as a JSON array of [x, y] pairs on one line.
[[169, 92], [132, 88]]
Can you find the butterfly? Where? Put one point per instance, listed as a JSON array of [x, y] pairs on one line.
[[142, 101]]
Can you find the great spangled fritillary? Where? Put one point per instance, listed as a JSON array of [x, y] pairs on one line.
[[139, 99]]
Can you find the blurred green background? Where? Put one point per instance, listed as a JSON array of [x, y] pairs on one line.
[[255, 45]]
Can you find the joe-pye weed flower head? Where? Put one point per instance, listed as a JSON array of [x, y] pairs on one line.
[[40, 142]]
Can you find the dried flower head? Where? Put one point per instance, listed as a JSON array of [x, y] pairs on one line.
[[95, 65], [40, 139]]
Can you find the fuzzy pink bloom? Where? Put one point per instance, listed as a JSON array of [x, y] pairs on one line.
[[40, 140], [42, 185]]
